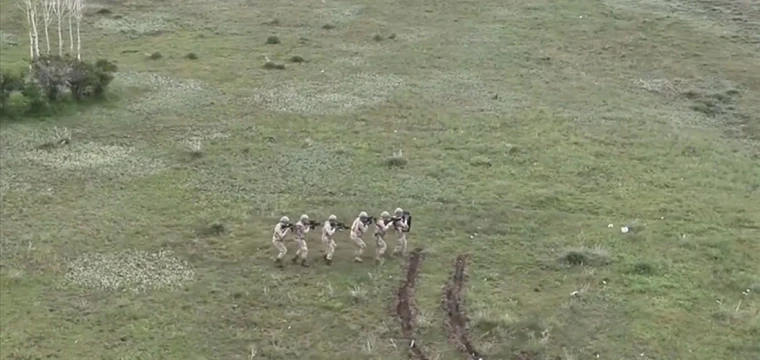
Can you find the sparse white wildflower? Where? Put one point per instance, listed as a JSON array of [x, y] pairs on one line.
[[167, 94], [109, 160], [333, 97], [134, 271], [150, 24]]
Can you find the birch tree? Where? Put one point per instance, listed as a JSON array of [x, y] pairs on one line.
[[30, 8], [68, 11], [59, 11], [47, 18], [76, 10]]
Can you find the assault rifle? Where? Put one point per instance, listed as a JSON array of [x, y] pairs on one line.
[[311, 224], [342, 226]]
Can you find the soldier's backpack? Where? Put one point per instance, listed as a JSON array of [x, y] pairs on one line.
[[407, 217]]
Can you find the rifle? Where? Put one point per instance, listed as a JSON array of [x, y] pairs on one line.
[[312, 224], [341, 226]]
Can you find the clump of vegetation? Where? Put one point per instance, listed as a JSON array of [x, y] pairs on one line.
[[643, 268], [213, 229], [62, 137], [328, 26], [270, 65], [392, 36], [395, 161], [481, 161], [585, 256], [378, 37], [195, 149], [191, 56], [155, 55], [104, 11], [273, 40], [50, 80], [297, 59], [712, 104]]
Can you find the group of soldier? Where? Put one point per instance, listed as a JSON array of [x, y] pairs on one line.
[[358, 229]]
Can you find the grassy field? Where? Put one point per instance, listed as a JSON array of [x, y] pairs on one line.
[[530, 133]]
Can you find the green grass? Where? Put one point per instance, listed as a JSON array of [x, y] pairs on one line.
[[526, 128]]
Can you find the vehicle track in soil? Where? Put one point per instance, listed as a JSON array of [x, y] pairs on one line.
[[456, 322], [406, 308]]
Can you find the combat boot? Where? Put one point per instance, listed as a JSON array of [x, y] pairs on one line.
[[328, 261], [295, 260], [278, 262], [358, 259], [303, 263]]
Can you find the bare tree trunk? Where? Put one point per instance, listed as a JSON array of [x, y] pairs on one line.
[[47, 39], [79, 43], [71, 35], [60, 39], [33, 16], [31, 35]]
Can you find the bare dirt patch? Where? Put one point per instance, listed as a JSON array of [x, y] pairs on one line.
[[406, 309], [456, 322], [133, 271]]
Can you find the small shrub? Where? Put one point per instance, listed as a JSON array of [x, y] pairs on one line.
[[213, 229], [580, 256], [62, 137], [195, 149], [328, 26], [480, 161], [395, 161], [103, 11], [156, 55], [50, 78], [217, 229], [191, 56], [378, 37], [273, 66], [707, 107], [643, 268], [36, 102], [392, 36], [297, 59], [732, 92], [10, 82], [273, 40]]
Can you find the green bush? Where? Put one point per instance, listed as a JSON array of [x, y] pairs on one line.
[[48, 81]]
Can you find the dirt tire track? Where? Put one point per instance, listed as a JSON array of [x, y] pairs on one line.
[[456, 322], [406, 309]]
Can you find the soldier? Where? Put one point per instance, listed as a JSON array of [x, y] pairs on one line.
[[327, 237], [381, 227], [278, 239], [401, 227], [358, 228], [301, 229]]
